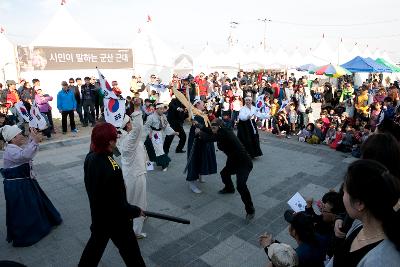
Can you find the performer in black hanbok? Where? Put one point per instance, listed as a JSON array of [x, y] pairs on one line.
[[30, 215], [202, 160], [238, 161], [247, 128]]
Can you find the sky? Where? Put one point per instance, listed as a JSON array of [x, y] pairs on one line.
[[192, 24]]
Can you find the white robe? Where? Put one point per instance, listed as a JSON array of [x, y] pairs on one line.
[[246, 112], [133, 159]]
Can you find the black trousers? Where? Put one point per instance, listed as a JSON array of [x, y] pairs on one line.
[[88, 111], [242, 175], [64, 115], [123, 238], [182, 138]]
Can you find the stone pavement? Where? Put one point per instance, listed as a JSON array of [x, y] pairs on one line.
[[218, 234]]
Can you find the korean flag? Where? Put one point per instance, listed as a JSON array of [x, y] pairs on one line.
[[114, 111]]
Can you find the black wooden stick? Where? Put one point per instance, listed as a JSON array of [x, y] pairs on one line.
[[166, 217]]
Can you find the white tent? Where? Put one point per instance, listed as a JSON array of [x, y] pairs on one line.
[[254, 60], [62, 30], [183, 64], [8, 60], [152, 55], [367, 52], [296, 59], [277, 60], [355, 51], [323, 54], [205, 60], [342, 54]]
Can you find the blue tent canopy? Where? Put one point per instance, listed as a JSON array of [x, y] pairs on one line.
[[360, 64]]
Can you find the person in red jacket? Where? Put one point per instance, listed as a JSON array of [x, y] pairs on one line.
[[203, 85]]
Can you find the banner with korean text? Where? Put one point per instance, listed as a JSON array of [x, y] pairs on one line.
[[68, 58]]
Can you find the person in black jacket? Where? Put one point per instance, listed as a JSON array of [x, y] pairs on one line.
[[89, 96], [238, 162], [111, 213], [177, 114]]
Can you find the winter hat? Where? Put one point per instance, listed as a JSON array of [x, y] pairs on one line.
[[9, 132]]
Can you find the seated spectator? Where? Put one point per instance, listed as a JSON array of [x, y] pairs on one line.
[[279, 254], [330, 134], [338, 137], [312, 248], [347, 142], [330, 206], [281, 125]]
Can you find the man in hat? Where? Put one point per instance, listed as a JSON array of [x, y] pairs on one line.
[[177, 113], [238, 161], [156, 128]]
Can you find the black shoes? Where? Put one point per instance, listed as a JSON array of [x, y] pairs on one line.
[[226, 191], [250, 216]]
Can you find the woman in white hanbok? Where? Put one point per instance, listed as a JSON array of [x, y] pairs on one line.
[[133, 159], [247, 128]]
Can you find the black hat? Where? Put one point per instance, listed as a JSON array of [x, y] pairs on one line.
[[300, 221]]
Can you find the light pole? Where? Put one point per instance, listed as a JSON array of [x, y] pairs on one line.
[[265, 20]]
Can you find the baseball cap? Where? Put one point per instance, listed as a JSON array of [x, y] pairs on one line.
[[282, 255]]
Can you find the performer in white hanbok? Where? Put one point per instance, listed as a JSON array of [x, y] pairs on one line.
[[247, 128], [155, 129], [133, 159]]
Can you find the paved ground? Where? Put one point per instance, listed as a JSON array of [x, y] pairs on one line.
[[217, 235]]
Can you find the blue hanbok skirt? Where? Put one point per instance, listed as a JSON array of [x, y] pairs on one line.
[[30, 215]]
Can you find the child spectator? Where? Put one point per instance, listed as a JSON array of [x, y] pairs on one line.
[[330, 134], [376, 113], [347, 142], [292, 117], [338, 137], [281, 125], [236, 106]]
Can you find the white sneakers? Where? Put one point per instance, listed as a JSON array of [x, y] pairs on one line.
[[201, 179], [194, 187], [165, 169], [141, 236]]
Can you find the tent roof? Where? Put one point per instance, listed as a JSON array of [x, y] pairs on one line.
[[59, 31], [7, 55], [382, 61], [323, 53], [149, 49], [359, 64]]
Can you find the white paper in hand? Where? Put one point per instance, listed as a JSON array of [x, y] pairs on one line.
[[297, 203], [149, 166]]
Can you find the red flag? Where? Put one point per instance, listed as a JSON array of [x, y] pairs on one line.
[[148, 18], [63, 2]]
